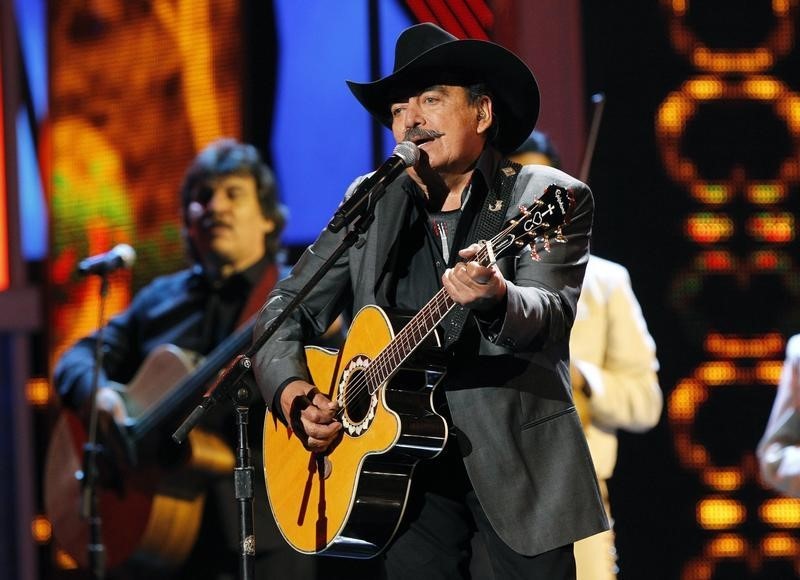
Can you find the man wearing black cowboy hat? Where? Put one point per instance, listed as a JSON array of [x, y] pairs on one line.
[[516, 467]]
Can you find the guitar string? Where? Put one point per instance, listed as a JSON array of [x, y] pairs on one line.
[[367, 379]]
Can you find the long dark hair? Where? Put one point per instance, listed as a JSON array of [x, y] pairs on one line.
[[229, 157]]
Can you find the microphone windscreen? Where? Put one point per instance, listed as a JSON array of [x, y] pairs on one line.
[[408, 152], [126, 253], [194, 211]]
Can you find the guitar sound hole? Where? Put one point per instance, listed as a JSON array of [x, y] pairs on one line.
[[357, 400]]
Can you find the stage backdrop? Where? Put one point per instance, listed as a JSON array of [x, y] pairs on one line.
[[696, 183], [136, 89]]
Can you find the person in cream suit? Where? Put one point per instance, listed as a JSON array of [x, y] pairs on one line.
[[613, 368]]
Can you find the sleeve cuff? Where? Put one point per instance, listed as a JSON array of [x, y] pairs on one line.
[[491, 321], [275, 406]]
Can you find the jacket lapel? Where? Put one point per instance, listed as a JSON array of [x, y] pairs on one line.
[[393, 209]]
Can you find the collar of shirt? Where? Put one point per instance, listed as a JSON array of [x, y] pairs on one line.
[[242, 281], [486, 167]]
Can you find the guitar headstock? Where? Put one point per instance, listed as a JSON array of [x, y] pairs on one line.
[[539, 223]]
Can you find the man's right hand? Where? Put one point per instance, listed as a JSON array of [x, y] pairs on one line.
[[311, 415], [113, 419]]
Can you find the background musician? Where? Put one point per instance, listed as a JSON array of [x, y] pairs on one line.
[[233, 221]]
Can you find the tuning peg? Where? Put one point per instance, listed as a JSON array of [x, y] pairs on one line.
[[560, 236], [523, 209], [534, 254], [546, 241]]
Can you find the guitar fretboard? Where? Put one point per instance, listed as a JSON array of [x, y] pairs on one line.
[[413, 333], [193, 384]]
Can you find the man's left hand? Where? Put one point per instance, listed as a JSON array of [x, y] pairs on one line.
[[472, 285]]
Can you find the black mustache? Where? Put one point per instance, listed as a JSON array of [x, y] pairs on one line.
[[418, 133]]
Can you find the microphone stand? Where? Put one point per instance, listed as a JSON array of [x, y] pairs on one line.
[[234, 384], [91, 449]]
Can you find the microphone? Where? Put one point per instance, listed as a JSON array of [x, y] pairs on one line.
[[405, 155], [120, 256]]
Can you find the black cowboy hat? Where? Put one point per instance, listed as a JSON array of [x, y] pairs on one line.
[[426, 55]]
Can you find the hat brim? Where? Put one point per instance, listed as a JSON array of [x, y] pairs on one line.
[[514, 89]]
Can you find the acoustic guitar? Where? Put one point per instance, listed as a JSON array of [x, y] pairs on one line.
[[150, 492], [350, 500]]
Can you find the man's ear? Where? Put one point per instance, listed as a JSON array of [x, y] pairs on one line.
[[485, 114], [268, 225]]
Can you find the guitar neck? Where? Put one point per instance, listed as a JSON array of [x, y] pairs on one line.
[[417, 330], [178, 398], [408, 339]]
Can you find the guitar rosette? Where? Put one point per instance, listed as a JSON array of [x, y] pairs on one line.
[[355, 397]]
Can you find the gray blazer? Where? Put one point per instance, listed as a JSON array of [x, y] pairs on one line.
[[510, 400]]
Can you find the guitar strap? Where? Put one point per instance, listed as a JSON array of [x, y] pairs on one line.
[[490, 220], [259, 293]]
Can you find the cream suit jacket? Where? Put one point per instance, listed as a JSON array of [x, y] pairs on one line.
[[612, 348], [779, 449]]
